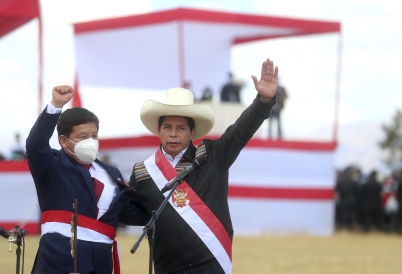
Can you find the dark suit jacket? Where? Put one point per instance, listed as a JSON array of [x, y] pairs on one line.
[[59, 180]]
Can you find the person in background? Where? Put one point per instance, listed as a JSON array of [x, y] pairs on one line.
[[206, 95], [281, 96], [347, 190], [17, 151], [398, 175], [370, 197], [339, 176], [74, 172], [194, 231], [389, 202], [231, 91]]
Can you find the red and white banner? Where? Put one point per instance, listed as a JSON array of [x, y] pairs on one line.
[[279, 187], [18, 200]]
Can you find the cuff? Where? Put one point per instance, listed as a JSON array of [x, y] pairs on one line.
[[264, 108], [52, 109]]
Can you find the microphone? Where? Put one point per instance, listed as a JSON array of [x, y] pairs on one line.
[[186, 173], [4, 232], [15, 233]]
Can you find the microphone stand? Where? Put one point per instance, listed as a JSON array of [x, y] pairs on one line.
[[149, 228], [16, 236]]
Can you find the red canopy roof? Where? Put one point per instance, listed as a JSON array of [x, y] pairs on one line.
[[15, 13], [302, 26]]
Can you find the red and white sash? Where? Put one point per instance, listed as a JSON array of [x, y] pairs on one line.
[[193, 210], [88, 229]]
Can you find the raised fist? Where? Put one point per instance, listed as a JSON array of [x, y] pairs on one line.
[[61, 95]]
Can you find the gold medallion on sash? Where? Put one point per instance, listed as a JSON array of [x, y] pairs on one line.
[[181, 197]]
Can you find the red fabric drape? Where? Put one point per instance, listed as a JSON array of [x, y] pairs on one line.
[[15, 13], [76, 102]]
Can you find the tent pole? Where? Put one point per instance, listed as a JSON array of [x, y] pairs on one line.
[[40, 73], [337, 89], [180, 36]]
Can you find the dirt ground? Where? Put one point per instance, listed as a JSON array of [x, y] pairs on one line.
[[345, 252]]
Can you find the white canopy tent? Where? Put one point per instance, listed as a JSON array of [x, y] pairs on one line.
[[179, 46]]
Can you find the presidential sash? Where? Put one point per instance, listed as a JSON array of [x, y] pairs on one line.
[[193, 210], [88, 229]]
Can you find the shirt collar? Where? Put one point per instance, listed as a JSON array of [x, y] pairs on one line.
[[178, 156]]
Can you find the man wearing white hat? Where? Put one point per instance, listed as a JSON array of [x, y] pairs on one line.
[[194, 232]]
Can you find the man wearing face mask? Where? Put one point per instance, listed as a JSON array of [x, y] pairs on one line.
[[73, 172]]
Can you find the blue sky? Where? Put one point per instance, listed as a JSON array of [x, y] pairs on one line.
[[370, 81]]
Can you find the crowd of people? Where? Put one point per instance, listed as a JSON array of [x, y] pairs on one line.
[[367, 203]]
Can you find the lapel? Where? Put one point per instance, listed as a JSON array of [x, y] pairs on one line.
[[84, 173], [190, 152], [114, 174]]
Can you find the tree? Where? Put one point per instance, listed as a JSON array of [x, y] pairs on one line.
[[392, 144]]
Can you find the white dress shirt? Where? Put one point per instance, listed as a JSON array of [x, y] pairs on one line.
[[176, 159]]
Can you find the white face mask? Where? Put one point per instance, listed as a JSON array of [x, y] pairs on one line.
[[85, 150]]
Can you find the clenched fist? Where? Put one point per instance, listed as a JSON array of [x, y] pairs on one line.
[[61, 95]]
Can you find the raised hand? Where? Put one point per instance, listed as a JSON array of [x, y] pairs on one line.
[[61, 95], [268, 82]]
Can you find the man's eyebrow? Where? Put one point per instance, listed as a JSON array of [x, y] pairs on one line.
[[86, 132]]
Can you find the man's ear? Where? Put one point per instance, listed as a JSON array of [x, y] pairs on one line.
[[192, 133], [63, 141]]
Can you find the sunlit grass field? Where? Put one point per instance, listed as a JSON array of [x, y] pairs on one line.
[[345, 252]]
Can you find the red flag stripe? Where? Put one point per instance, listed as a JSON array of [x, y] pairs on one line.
[[281, 193], [62, 216], [197, 205]]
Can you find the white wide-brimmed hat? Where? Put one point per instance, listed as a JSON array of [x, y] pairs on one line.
[[178, 102]]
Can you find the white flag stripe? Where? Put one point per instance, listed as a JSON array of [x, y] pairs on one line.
[[283, 168], [83, 233], [281, 217], [263, 167]]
